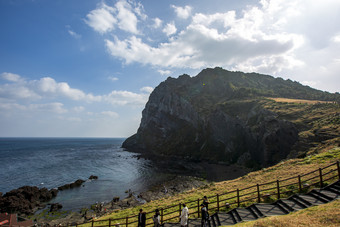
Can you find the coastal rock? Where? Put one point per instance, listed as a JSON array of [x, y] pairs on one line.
[[77, 183], [115, 199], [25, 200], [216, 116], [55, 207], [93, 177]]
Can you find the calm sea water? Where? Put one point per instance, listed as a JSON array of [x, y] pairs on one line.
[[52, 162]]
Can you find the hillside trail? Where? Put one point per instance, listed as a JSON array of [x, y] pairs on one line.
[[280, 207]]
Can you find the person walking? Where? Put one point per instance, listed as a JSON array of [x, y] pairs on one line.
[[156, 219], [205, 202], [184, 216], [205, 215], [141, 218]]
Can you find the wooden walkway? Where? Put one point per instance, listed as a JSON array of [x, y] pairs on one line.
[[279, 207]]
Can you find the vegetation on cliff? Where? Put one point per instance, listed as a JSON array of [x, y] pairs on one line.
[[232, 117]]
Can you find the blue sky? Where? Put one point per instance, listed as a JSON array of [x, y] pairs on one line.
[[85, 68]]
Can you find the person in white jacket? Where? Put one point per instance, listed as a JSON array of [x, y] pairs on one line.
[[184, 216]]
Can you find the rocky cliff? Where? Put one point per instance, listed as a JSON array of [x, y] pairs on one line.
[[220, 116]]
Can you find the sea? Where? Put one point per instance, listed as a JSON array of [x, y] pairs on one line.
[[53, 162]]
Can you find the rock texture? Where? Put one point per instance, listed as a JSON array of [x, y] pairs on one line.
[[25, 200], [218, 116], [75, 184]]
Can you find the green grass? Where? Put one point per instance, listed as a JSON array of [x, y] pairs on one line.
[[332, 154]]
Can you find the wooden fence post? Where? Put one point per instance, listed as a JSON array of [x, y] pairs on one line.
[[198, 207], [278, 189], [258, 193], [238, 197], [127, 221], [179, 210], [218, 202], [321, 182], [300, 186], [110, 222], [162, 216], [338, 166], [92, 223]]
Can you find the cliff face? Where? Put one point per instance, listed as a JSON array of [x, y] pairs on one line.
[[217, 115]]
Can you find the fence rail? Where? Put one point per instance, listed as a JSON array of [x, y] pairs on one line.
[[238, 197]]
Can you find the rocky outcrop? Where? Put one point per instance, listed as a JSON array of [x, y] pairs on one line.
[[93, 177], [75, 184], [217, 116], [55, 207], [26, 199]]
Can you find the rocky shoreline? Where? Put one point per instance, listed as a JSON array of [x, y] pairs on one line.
[[27, 200], [187, 175], [171, 187]]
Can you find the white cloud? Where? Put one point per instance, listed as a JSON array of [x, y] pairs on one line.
[[48, 85], [11, 107], [146, 89], [310, 83], [42, 88], [170, 29], [201, 44], [54, 107], [182, 12], [48, 88], [112, 78], [164, 72], [101, 19], [139, 10], [11, 77], [74, 34], [336, 38], [127, 19], [110, 114], [157, 22], [126, 98], [17, 91], [124, 14], [264, 37], [48, 107]]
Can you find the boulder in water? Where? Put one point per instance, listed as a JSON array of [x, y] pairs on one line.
[[93, 177]]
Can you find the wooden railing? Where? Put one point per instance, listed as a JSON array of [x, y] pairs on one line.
[[236, 198]]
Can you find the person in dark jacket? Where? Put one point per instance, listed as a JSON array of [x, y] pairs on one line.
[[205, 201], [205, 215], [141, 218]]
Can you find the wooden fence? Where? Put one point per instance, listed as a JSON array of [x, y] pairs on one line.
[[266, 192]]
